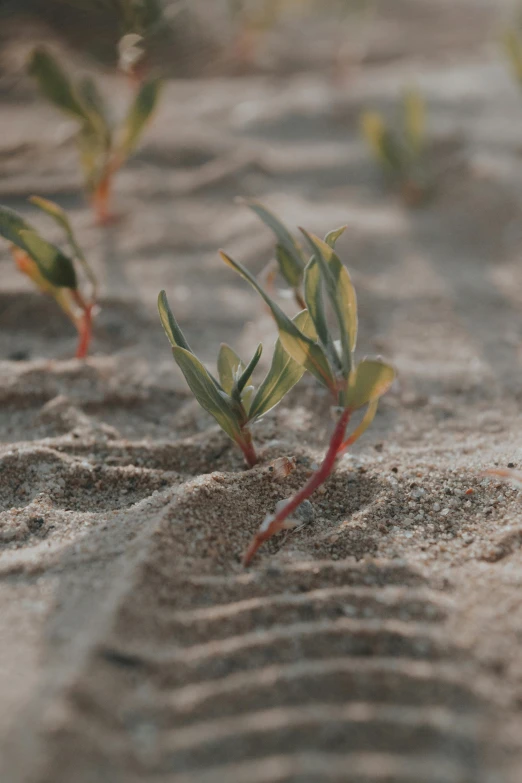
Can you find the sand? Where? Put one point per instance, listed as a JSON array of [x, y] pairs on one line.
[[379, 641]]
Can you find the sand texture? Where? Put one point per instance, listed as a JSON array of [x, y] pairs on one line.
[[380, 642]]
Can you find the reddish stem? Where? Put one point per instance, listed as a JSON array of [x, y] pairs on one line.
[[247, 447], [84, 325], [101, 198], [316, 479]]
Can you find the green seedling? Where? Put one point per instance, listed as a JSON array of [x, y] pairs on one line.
[[50, 269], [400, 147], [290, 258], [513, 48], [103, 147], [233, 402], [352, 386]]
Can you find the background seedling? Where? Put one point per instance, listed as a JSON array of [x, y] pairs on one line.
[[352, 386], [141, 20], [103, 147], [399, 147], [233, 402], [513, 47], [51, 270]]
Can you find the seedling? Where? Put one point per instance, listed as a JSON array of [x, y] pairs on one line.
[[290, 258], [352, 386], [50, 269], [233, 402], [399, 147], [140, 21], [103, 146], [513, 49]]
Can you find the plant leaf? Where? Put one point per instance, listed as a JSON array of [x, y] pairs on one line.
[[283, 374], [313, 293], [513, 49], [139, 115], [206, 393], [95, 105], [247, 373], [300, 347], [414, 120], [11, 226], [228, 364], [55, 266], [288, 268], [332, 236], [341, 293], [371, 379], [171, 326], [56, 85], [381, 142], [294, 255]]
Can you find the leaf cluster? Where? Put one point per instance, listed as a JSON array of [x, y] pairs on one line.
[[327, 355], [103, 146], [232, 400], [399, 146]]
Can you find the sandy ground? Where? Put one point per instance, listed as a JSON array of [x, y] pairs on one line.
[[381, 640]]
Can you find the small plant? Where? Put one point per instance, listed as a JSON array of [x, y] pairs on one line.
[[513, 49], [140, 21], [103, 147], [233, 401], [290, 258], [51, 270], [352, 386], [399, 148]]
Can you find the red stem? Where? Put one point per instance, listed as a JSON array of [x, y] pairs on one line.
[[315, 481], [247, 447], [84, 325]]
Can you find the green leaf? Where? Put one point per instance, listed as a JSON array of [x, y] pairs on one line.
[[293, 261], [229, 367], [313, 292], [247, 373], [55, 266], [11, 226], [283, 374], [56, 85], [371, 379], [332, 236], [139, 115], [341, 293], [300, 347], [95, 105], [414, 121], [206, 393], [513, 49], [172, 329], [288, 268], [382, 142]]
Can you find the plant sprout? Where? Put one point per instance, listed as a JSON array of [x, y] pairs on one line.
[[51, 270], [233, 402], [352, 386], [103, 147], [399, 148], [140, 20], [290, 257], [513, 49]]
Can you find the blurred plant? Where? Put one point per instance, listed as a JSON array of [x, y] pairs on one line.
[[232, 401], [513, 48], [103, 147], [141, 20], [51, 270], [506, 474], [399, 148], [352, 386]]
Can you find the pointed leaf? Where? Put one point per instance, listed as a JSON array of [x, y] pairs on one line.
[[56, 85], [371, 379], [229, 366], [206, 393], [414, 120], [513, 49], [341, 293], [304, 350], [313, 292], [332, 236], [95, 105], [172, 329], [55, 266], [12, 225], [247, 373], [381, 142], [294, 253], [288, 268], [283, 374], [139, 115]]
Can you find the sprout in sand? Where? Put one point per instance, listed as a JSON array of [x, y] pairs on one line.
[[400, 147], [53, 271], [232, 400], [103, 146], [352, 385]]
